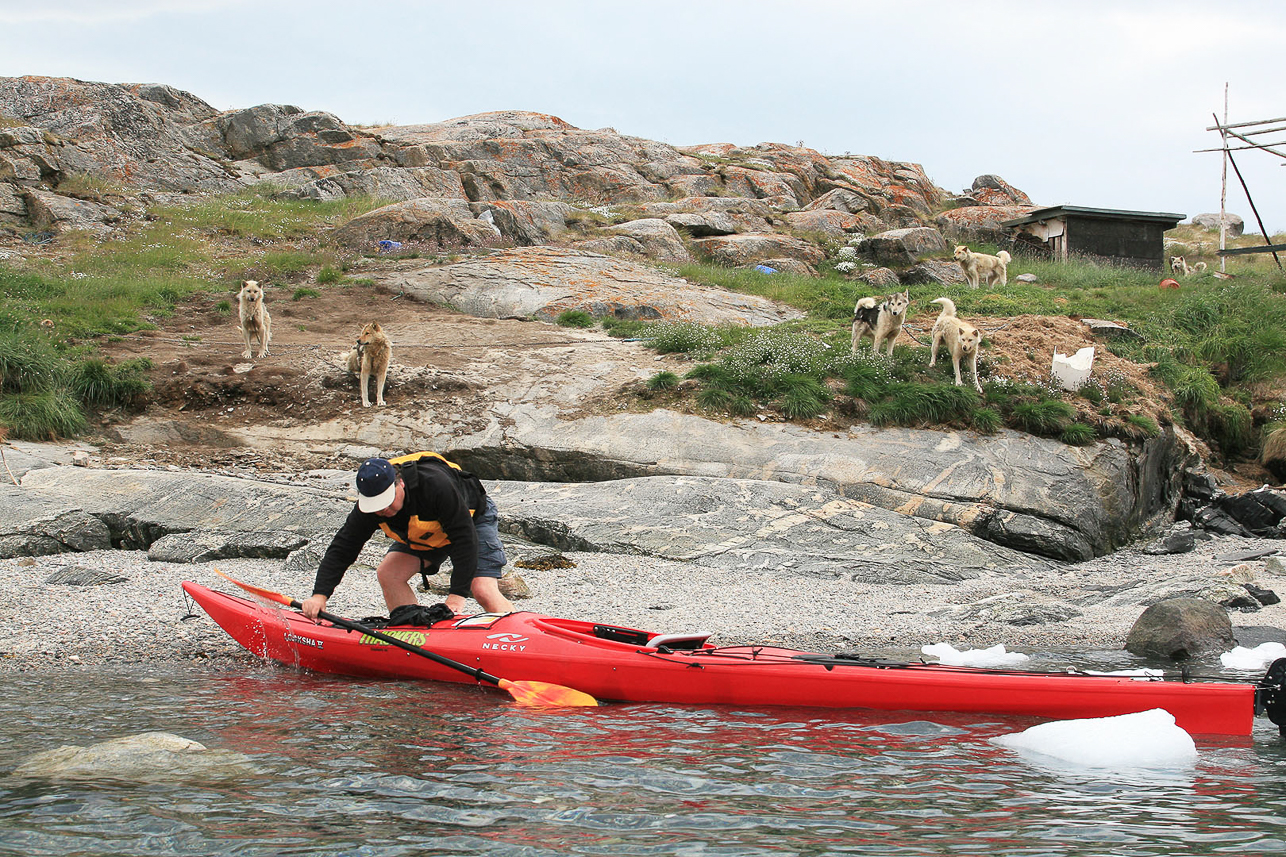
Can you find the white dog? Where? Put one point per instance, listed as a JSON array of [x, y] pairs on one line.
[[881, 323], [1179, 267], [962, 340], [980, 266], [255, 321]]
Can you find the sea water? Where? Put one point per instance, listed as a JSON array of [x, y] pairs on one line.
[[352, 767]]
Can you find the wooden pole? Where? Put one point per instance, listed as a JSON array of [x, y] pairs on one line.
[[1258, 219], [1223, 192]]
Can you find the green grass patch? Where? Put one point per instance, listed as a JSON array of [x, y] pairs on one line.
[[1078, 434], [574, 318], [916, 404], [303, 292], [96, 382], [43, 415], [661, 381]]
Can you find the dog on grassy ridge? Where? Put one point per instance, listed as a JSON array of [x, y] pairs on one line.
[[254, 320], [369, 357], [1180, 268], [961, 338], [980, 266], [881, 322]]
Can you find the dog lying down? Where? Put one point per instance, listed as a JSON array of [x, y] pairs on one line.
[[961, 338], [1180, 268]]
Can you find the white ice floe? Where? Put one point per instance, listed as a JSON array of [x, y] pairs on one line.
[[1257, 658], [1147, 739], [996, 656]]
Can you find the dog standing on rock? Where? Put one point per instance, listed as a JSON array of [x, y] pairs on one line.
[[255, 321], [962, 339], [980, 266], [882, 322], [370, 356]]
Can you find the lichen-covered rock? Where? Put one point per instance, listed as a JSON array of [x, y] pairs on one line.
[[736, 251], [899, 248]]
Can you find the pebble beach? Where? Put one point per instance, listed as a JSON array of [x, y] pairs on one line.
[[133, 610]]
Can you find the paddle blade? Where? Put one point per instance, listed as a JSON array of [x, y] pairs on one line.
[[255, 590], [543, 693]]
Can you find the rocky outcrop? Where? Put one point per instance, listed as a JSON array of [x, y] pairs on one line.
[[1035, 495], [155, 138], [1210, 223], [440, 223], [543, 282], [710, 522], [741, 523], [979, 223], [902, 247], [654, 238], [739, 251]]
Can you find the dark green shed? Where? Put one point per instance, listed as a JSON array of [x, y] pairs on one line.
[[1135, 238]]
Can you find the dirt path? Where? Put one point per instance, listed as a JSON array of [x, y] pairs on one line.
[[203, 385]]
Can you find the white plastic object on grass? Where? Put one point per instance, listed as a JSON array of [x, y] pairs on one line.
[[1146, 739], [996, 656], [1257, 658], [1071, 371]]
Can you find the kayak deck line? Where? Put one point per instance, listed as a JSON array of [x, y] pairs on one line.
[[612, 662]]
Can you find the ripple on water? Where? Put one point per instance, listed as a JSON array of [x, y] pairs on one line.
[[390, 768]]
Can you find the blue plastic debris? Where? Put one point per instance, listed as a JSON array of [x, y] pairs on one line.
[[390, 246], [764, 269]]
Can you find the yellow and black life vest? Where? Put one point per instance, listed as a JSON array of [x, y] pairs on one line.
[[424, 535]]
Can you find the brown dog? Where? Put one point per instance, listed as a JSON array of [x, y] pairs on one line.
[[961, 337], [255, 322], [370, 356]]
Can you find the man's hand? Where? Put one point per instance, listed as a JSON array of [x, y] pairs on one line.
[[455, 602], [313, 605]]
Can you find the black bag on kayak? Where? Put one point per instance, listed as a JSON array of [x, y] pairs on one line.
[[418, 614]]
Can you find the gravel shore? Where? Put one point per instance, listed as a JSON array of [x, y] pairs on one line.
[[139, 613]]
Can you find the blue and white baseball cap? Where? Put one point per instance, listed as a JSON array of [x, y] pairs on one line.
[[376, 485]]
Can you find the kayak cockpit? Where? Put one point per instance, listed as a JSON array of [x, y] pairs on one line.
[[632, 638]]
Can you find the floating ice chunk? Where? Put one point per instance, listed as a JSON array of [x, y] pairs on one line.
[[996, 656], [1257, 658], [1147, 739]]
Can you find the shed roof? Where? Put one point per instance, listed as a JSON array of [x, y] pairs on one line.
[[1096, 213]]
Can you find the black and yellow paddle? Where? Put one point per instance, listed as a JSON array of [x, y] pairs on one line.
[[524, 692]]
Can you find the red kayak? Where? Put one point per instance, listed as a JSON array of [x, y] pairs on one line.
[[625, 664]]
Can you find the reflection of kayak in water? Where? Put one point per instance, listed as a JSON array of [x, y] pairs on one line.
[[626, 664]]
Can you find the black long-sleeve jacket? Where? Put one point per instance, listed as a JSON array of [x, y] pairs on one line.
[[436, 516]]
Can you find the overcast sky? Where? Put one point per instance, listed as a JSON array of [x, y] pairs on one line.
[[1088, 103]]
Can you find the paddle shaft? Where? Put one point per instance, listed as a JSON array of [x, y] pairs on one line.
[[402, 644]]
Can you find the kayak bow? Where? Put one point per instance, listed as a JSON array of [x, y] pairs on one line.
[[524, 692]]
